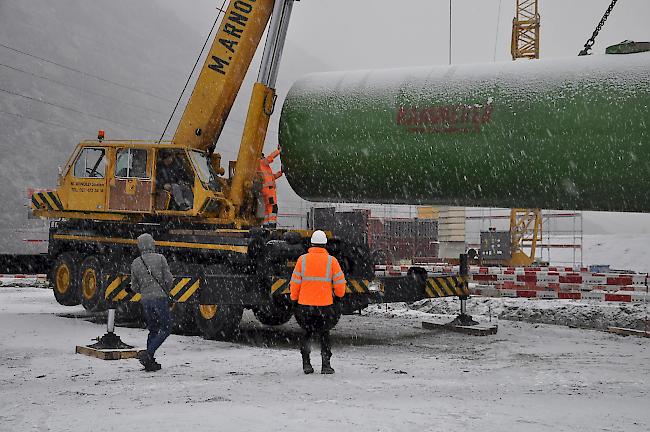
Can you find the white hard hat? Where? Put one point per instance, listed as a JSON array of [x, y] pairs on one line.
[[318, 238]]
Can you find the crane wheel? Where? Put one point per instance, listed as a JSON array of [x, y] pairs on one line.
[[92, 286], [218, 322], [276, 313], [65, 279]]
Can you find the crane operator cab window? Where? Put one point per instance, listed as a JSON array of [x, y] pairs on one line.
[[174, 181], [131, 163], [91, 163]]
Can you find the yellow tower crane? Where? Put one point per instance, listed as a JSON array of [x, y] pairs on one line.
[[525, 224], [525, 30]]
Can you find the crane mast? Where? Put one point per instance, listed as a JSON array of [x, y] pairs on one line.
[[525, 30]]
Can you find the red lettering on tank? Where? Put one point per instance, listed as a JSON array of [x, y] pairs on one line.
[[460, 118]]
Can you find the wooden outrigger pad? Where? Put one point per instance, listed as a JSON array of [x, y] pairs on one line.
[[107, 354]]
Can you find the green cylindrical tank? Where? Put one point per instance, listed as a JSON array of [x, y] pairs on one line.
[[560, 134]]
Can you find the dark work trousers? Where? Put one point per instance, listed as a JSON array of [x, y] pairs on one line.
[[317, 320], [159, 322]]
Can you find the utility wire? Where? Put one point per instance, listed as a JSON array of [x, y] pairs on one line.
[[97, 77], [74, 110], [189, 78], [80, 89], [450, 30], [42, 121]]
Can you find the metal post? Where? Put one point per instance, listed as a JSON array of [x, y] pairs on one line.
[[110, 324], [463, 319]]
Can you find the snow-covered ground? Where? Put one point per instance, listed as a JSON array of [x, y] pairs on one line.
[[391, 375]]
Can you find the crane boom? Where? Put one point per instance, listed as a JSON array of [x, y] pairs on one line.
[[223, 72]]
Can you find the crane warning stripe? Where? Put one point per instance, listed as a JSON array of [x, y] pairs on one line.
[[179, 286], [46, 200], [184, 289], [190, 291], [445, 286]]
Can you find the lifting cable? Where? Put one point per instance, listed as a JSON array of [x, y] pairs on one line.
[[221, 11], [592, 39], [496, 38]]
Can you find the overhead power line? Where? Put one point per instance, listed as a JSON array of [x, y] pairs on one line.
[[97, 77], [103, 96], [75, 110], [216, 21], [42, 121]]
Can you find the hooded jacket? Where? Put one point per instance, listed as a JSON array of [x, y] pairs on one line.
[[144, 283]]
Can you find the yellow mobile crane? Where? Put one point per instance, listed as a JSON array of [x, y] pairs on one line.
[[110, 192]]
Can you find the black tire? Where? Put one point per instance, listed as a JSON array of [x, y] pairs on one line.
[[65, 279], [218, 322], [275, 313], [183, 321], [92, 285]]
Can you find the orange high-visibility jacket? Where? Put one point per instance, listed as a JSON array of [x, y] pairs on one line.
[[268, 177], [316, 274]]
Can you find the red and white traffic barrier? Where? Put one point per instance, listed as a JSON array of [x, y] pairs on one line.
[[618, 296], [551, 277], [22, 276]]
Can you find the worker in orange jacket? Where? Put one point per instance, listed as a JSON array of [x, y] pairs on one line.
[[269, 192], [317, 274]]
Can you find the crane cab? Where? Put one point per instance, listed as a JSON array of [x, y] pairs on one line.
[[135, 179]]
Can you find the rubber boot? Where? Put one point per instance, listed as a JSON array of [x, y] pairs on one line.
[[306, 363], [327, 368], [146, 360], [153, 366]]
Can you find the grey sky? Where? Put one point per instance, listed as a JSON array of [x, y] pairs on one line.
[[354, 34]]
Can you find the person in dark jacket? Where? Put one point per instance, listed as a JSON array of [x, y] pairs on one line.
[[151, 278], [172, 176]]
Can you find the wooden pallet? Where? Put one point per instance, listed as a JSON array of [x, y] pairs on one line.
[[628, 332], [476, 330], [107, 354]]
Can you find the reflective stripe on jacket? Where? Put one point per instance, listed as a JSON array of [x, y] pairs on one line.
[[315, 276]]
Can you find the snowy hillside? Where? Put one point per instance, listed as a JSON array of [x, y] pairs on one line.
[[71, 67]]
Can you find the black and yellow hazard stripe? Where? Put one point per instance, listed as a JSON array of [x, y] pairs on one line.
[[116, 289], [353, 286], [46, 201], [184, 289], [280, 286], [446, 286]]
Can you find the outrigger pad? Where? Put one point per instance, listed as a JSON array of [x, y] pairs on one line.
[[109, 347]]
